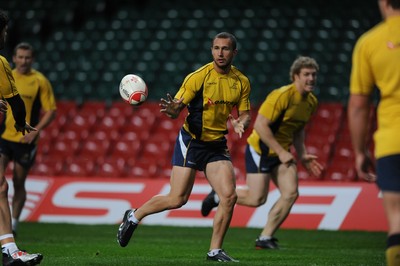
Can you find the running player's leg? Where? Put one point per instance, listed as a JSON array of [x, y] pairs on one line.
[[220, 175], [286, 180], [258, 168], [19, 177], [255, 192], [182, 180]]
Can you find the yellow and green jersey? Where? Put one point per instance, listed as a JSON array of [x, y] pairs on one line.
[[289, 111], [376, 61], [37, 94], [210, 98], [7, 83]]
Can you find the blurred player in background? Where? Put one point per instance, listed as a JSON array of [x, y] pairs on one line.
[[12, 255], [279, 124], [376, 62], [37, 94], [209, 93]]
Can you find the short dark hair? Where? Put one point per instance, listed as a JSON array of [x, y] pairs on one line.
[[226, 35], [3, 19], [300, 63], [24, 46]]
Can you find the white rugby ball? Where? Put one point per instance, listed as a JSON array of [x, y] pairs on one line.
[[133, 89]]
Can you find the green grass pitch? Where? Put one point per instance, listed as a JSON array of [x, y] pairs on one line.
[[95, 245]]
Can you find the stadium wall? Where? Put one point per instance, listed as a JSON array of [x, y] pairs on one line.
[[321, 205]]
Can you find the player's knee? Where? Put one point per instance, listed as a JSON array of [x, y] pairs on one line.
[[259, 201], [290, 197], [228, 200], [177, 202]]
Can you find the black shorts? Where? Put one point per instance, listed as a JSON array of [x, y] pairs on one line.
[[259, 163], [388, 172], [22, 153], [196, 154]]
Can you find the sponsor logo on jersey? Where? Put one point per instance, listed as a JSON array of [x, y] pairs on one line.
[[211, 102]]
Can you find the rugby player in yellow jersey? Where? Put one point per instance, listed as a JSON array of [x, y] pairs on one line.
[[12, 255], [210, 93], [37, 94], [376, 62], [279, 124]]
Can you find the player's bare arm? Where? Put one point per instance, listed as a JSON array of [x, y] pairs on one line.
[[262, 126], [358, 113], [171, 107]]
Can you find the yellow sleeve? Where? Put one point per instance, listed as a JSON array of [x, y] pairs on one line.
[[274, 105], [244, 102], [190, 86], [7, 82], [361, 78], [47, 98]]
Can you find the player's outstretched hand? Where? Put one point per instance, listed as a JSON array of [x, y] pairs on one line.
[[171, 107], [27, 128], [312, 165], [3, 106], [237, 125]]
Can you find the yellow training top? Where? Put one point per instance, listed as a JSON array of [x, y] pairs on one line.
[[376, 61], [7, 83], [37, 94], [210, 98], [289, 111]]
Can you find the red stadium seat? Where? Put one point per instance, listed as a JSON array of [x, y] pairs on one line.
[[120, 109], [144, 169], [129, 150], [78, 167], [341, 172], [44, 144], [110, 134], [80, 123], [67, 148], [167, 128], [134, 136], [74, 133], [108, 122], [93, 108], [66, 108], [138, 123], [156, 149], [56, 126], [111, 167], [327, 119], [94, 148], [48, 166]]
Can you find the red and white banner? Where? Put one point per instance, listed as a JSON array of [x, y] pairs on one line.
[[321, 205]]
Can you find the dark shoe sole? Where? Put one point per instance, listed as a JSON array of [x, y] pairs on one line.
[[19, 262]]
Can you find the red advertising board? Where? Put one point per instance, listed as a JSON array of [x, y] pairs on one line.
[[321, 205]]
